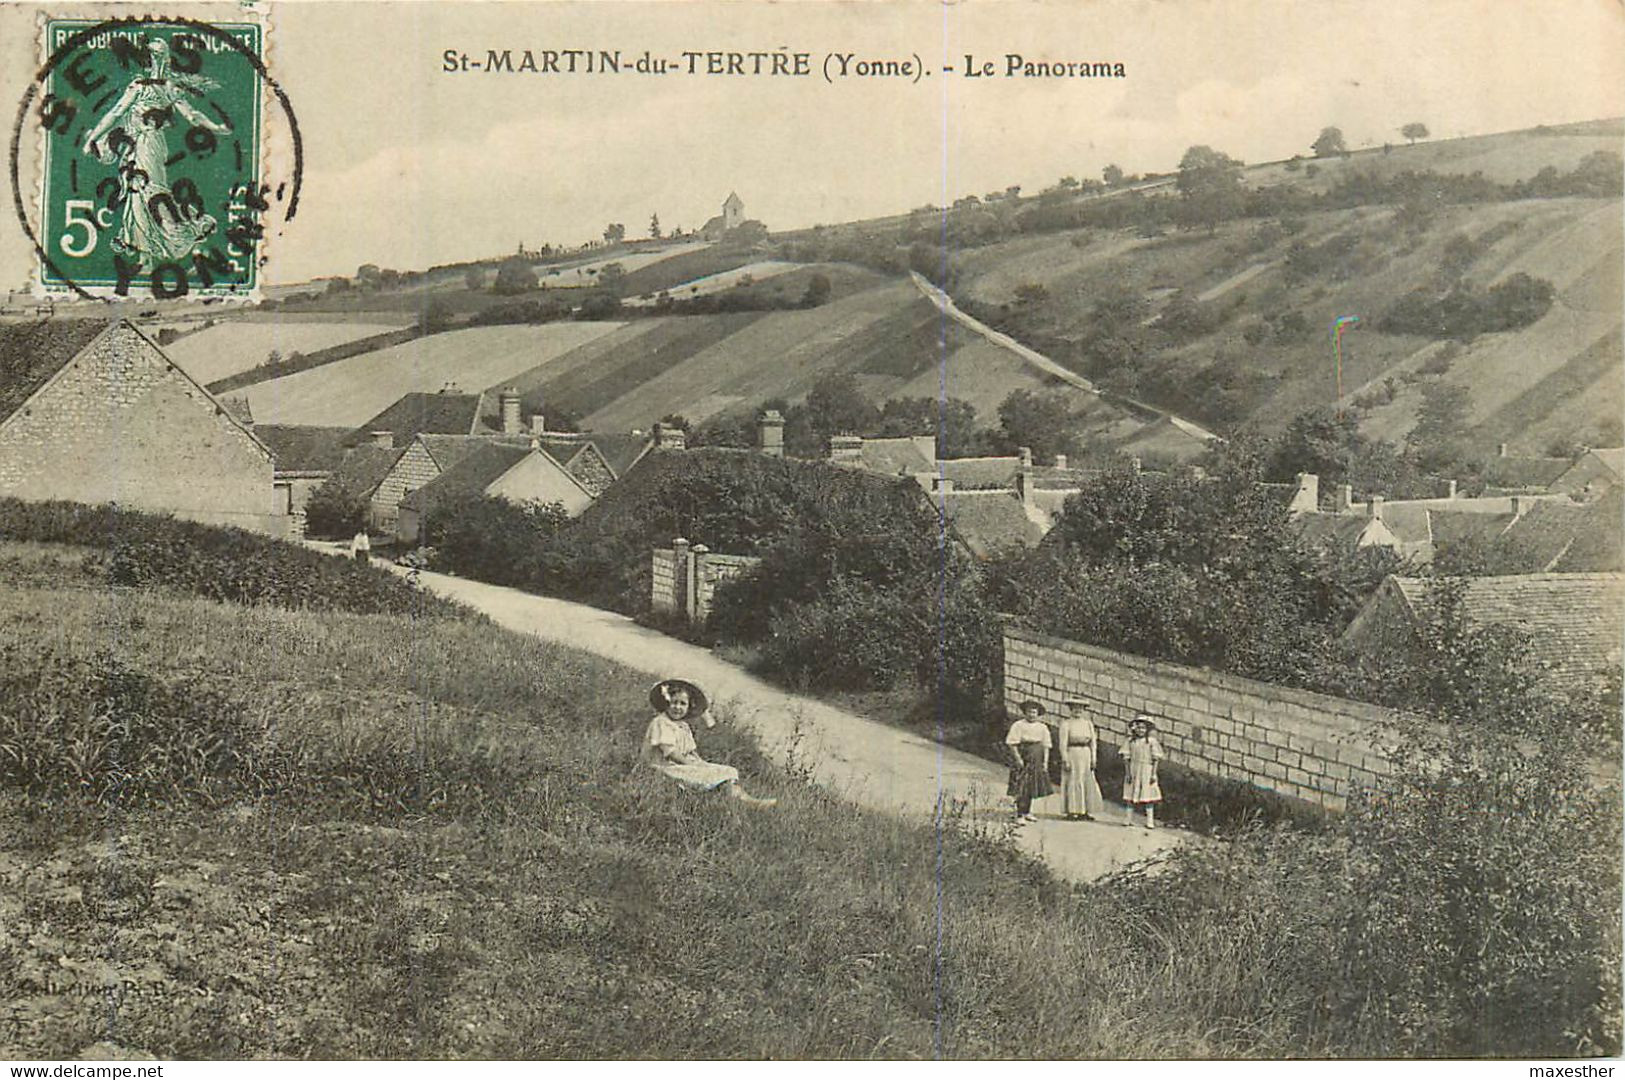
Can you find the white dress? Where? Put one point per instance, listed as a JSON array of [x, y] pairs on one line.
[[667, 736]]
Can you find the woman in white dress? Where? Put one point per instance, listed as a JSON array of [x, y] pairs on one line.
[[669, 746], [1080, 791]]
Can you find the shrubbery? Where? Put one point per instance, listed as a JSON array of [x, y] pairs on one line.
[[216, 563], [335, 512], [492, 539], [1467, 311]]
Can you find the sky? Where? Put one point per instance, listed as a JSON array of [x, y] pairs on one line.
[[407, 165]]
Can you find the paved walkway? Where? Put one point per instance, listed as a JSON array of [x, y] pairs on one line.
[[869, 763]]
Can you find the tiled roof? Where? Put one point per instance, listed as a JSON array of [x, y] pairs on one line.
[[418, 414], [980, 472], [1319, 527], [1409, 524], [363, 468], [32, 352], [622, 451], [1524, 473], [1598, 542], [448, 450], [300, 448], [1613, 460], [901, 456], [1455, 527], [475, 471], [988, 521], [1575, 621]]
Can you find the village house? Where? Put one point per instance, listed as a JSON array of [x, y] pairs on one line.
[[1418, 529], [94, 412], [306, 457], [432, 449], [1593, 474], [515, 472], [990, 504], [1574, 622]]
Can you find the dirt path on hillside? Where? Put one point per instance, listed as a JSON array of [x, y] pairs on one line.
[[869, 763], [946, 305]]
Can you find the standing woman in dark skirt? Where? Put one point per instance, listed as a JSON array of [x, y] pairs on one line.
[[1028, 746]]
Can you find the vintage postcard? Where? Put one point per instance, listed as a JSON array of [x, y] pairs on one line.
[[728, 529]]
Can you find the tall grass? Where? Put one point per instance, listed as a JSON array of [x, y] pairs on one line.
[[549, 899]]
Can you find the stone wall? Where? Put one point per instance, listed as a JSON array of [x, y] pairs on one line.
[[664, 594], [1293, 742], [710, 571], [121, 424], [685, 578]]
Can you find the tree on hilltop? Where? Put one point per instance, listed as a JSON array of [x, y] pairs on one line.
[[1414, 131], [614, 233], [1112, 174], [654, 226], [1210, 183], [1330, 143]]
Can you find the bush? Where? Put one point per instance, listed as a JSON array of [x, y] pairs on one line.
[[334, 512], [226, 564], [491, 539]]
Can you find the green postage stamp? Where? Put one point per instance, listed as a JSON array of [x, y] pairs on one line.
[[151, 160]]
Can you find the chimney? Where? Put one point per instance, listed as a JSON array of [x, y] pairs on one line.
[[1374, 508], [385, 439], [1307, 498], [845, 448], [538, 424], [1501, 450], [770, 433], [1060, 461], [1024, 479], [1345, 498], [509, 399], [1026, 453], [668, 437], [1450, 489]]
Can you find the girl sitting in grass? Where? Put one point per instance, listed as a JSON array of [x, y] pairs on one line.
[[1140, 757], [669, 746]]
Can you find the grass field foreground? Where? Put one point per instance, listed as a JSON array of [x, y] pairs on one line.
[[471, 866]]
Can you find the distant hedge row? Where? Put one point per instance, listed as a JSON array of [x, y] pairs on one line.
[[224, 564]]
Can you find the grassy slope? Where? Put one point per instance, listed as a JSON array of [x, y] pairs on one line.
[[566, 908]]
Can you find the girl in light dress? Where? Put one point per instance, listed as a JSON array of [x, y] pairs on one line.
[[1028, 747], [1140, 787], [669, 746]]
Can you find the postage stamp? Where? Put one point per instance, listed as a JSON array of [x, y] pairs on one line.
[[151, 178]]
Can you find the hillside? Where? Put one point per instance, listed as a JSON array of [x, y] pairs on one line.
[[1225, 326], [1235, 321]]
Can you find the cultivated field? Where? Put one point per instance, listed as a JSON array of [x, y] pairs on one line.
[[351, 391], [227, 348], [585, 275], [726, 279]]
